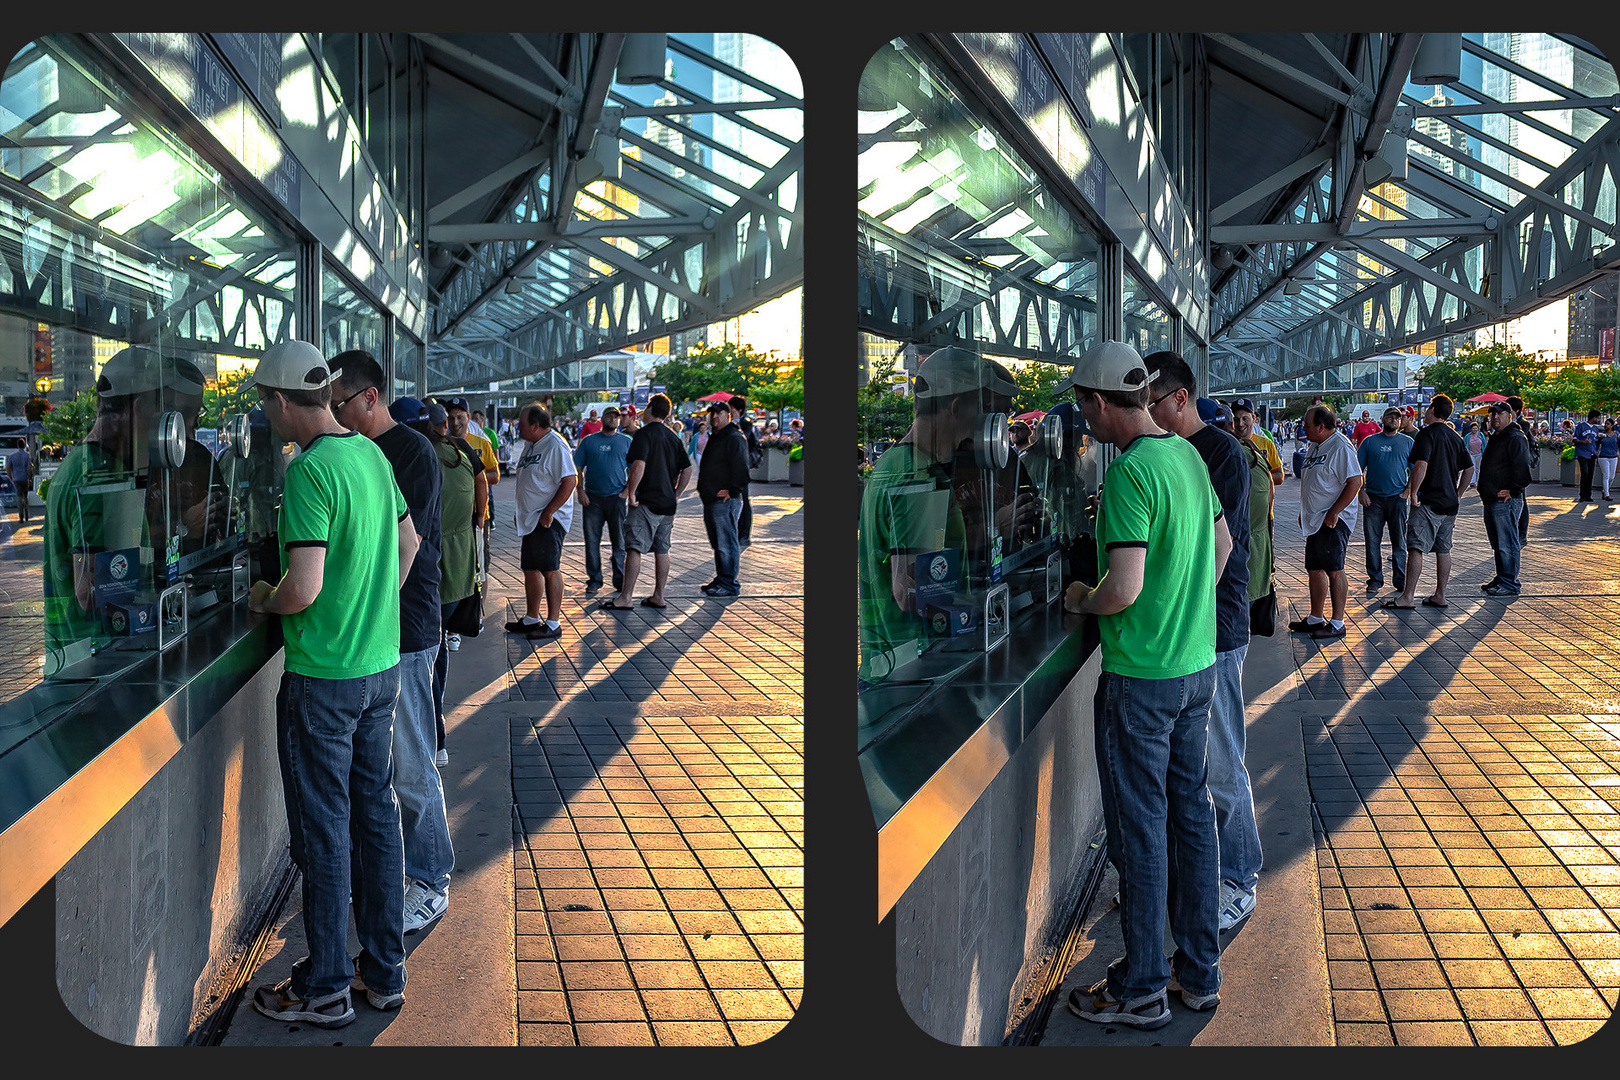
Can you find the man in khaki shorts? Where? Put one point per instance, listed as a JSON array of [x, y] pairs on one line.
[[659, 471]]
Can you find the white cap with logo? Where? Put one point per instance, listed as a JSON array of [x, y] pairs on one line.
[[291, 365], [1111, 365]]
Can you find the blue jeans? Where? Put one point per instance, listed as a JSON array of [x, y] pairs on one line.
[[334, 738], [1386, 511], [1238, 834], [720, 519], [602, 509], [1152, 761], [1501, 529], [428, 857]]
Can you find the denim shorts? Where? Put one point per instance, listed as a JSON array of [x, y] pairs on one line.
[[1428, 531]]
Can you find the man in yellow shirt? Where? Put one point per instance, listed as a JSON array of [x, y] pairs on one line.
[[460, 413]]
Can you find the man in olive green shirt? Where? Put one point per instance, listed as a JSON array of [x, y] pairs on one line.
[[347, 543], [1160, 537]]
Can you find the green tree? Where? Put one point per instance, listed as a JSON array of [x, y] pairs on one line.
[[68, 423], [1037, 387], [1495, 368], [225, 398], [1570, 389], [1605, 390], [735, 369], [880, 412], [782, 394]]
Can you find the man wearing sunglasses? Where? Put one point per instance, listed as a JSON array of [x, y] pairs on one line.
[[358, 405]]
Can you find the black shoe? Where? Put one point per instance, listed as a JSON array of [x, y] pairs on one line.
[[707, 585], [716, 590], [518, 626], [1328, 630], [1489, 585], [1300, 626], [542, 632], [1374, 586], [592, 586]]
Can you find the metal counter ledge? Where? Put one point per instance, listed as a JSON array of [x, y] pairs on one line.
[[62, 782], [924, 773]]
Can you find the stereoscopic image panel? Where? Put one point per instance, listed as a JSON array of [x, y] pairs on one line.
[[404, 447], [1164, 337]]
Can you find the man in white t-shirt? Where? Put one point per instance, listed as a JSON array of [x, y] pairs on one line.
[[546, 479], [1327, 516]]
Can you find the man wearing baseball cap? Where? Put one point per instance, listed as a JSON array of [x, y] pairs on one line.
[[358, 405], [603, 471], [1384, 463], [1364, 427], [1162, 540], [460, 414], [909, 507], [1244, 427], [347, 542], [80, 522]]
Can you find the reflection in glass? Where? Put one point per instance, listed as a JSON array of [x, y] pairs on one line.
[[137, 290]]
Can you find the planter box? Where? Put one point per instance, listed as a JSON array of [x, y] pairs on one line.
[[1569, 473], [1545, 467], [796, 473], [773, 469]]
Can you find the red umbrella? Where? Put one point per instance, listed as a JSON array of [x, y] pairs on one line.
[[1030, 417], [1488, 397], [718, 395]]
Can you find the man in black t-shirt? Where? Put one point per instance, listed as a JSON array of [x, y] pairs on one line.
[[1441, 467], [1173, 405], [659, 472], [357, 403]]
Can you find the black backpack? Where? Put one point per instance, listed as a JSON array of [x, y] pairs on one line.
[[756, 453]]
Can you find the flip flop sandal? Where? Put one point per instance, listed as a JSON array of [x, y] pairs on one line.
[[646, 601], [1428, 601], [609, 605], [1393, 606]]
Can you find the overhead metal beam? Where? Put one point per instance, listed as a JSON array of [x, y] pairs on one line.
[[1279, 179], [1605, 227], [1333, 62], [1390, 256], [1610, 102], [1318, 231], [1287, 71], [478, 63], [499, 178], [1399, 65], [630, 265]]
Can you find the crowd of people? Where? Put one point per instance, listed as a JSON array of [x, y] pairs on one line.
[[382, 535]]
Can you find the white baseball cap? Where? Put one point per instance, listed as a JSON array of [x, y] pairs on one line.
[[955, 370], [291, 365], [134, 370], [1111, 365]]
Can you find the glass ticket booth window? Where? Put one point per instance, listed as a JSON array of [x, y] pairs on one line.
[[137, 291], [978, 284]]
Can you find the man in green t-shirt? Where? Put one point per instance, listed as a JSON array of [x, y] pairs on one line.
[[94, 506], [347, 542], [910, 507], [1160, 537]]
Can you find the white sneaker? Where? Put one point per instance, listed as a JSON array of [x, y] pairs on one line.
[[442, 758], [424, 905], [452, 642], [1236, 905]]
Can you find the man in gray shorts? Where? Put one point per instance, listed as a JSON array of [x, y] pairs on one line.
[[1441, 467], [659, 472]]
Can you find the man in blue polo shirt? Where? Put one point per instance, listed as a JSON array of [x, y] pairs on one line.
[[1587, 433], [602, 460], [1386, 469]]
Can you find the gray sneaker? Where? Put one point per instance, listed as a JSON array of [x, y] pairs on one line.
[[1099, 1006], [278, 1002], [378, 1001]]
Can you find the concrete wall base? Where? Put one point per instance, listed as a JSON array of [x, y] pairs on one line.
[[975, 926], [155, 907]]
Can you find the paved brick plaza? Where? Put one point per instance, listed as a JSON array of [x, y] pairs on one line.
[[1466, 789], [659, 782]]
